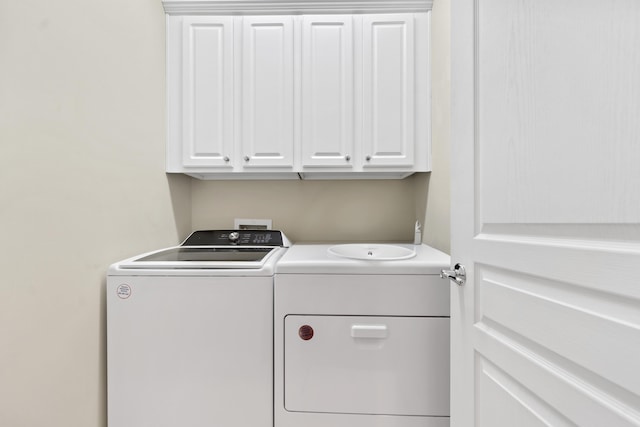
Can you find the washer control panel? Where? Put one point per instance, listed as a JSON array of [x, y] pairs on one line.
[[235, 237]]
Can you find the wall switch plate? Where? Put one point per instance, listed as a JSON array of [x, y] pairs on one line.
[[252, 224]]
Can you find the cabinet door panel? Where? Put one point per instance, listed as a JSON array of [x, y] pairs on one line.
[[267, 85], [327, 91], [388, 90], [207, 91]]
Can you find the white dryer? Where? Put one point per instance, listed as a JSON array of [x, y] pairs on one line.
[[190, 332], [361, 342]]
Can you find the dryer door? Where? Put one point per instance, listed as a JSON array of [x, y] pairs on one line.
[[367, 365]]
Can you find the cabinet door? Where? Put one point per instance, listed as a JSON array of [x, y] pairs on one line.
[[207, 67], [327, 91], [388, 90], [267, 91]]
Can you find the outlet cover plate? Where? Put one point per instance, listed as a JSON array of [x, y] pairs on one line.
[[252, 224]]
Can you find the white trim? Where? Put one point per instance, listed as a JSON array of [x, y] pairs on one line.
[[178, 7]]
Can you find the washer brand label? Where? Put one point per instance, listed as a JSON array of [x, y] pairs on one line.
[[123, 291]]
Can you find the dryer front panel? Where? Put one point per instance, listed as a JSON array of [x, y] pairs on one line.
[[366, 365]]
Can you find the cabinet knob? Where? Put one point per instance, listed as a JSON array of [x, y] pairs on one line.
[[226, 158], [368, 158], [347, 157], [247, 158]]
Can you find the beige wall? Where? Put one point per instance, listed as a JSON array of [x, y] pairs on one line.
[[82, 185], [436, 204], [312, 210]]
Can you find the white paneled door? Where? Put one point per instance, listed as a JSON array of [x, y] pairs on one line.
[[546, 213]]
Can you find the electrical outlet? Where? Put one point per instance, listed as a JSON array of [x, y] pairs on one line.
[[252, 224]]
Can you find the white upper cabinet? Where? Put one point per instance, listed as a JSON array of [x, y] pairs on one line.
[[388, 73], [310, 93], [267, 91], [327, 91], [207, 115]]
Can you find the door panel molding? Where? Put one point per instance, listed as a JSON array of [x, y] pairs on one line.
[[555, 380], [517, 403], [621, 235], [592, 321]]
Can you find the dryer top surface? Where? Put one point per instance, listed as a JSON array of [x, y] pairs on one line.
[[308, 258]]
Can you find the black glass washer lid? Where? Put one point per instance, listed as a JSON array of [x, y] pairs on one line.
[[208, 254]]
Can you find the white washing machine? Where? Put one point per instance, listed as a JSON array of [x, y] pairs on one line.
[[190, 332], [361, 342]]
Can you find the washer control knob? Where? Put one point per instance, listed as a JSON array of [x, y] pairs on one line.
[[234, 236]]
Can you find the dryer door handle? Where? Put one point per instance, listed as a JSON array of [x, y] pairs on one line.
[[369, 331]]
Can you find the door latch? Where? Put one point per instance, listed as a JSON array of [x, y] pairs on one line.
[[457, 275]]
